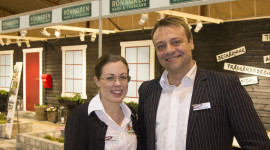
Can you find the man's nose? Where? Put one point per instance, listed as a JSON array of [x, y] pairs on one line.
[[170, 49]]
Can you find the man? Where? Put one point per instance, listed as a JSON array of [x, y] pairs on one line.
[[192, 108]]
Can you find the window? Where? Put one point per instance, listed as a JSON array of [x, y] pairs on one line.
[[6, 67], [140, 58], [74, 70]]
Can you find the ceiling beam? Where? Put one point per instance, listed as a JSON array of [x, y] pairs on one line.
[[52, 2], [115, 25], [9, 11], [79, 29], [22, 38]]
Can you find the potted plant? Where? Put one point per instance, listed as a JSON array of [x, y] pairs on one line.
[[70, 102], [41, 112], [52, 113], [3, 101]]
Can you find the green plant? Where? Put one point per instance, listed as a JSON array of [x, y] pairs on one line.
[[76, 97], [48, 137], [3, 118], [3, 92], [133, 104], [51, 109]]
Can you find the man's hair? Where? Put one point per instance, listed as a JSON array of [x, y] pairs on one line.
[[172, 21]]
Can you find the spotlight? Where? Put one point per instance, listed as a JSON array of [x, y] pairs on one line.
[[19, 43], [23, 33], [1, 42], [57, 33], [82, 36], [198, 26], [27, 43], [143, 19], [45, 32], [186, 21], [8, 42], [93, 37]]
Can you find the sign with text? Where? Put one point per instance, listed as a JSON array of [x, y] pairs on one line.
[[76, 12], [11, 24], [181, 1], [265, 37], [249, 80], [266, 59], [232, 53], [247, 69], [42, 18], [125, 5]]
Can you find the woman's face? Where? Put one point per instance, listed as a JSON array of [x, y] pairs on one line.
[[113, 82]]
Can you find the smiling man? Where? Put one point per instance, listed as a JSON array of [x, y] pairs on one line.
[[192, 108]]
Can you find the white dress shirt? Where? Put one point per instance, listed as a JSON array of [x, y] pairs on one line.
[[117, 137], [173, 112]]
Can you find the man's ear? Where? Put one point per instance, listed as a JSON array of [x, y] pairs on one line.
[[96, 81], [191, 44]]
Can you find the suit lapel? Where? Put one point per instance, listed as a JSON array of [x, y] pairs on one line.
[[198, 90]]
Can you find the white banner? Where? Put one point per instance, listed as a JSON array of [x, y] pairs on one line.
[[249, 80], [232, 53], [247, 69]]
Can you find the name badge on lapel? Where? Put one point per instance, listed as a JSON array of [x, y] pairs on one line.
[[201, 106]]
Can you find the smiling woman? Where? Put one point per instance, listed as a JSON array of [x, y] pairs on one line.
[[106, 122]]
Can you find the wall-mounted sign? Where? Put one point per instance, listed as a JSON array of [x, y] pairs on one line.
[[265, 37], [11, 24], [249, 80], [266, 59], [181, 1], [232, 53], [125, 5], [41, 18], [247, 69], [76, 12]]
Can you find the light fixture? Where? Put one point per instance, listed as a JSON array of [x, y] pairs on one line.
[[45, 32], [27, 43], [161, 16], [1, 42], [82, 36], [143, 19], [8, 42], [57, 33], [186, 21], [19, 42], [93, 37], [23, 33], [198, 26]]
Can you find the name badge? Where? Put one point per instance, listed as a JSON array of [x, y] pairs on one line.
[[201, 106], [111, 139]]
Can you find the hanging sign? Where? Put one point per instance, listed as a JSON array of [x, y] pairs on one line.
[[41, 18], [11, 24], [76, 12], [266, 59], [14, 88], [231, 54], [125, 5], [249, 80], [247, 69], [265, 37], [181, 1]]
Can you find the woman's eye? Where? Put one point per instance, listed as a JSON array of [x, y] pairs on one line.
[[123, 78], [110, 78]]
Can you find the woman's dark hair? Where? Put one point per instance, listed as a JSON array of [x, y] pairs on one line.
[[105, 59]]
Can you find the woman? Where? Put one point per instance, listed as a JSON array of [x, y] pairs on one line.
[[106, 122]]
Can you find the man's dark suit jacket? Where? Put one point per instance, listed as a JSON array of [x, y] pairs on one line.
[[231, 114]]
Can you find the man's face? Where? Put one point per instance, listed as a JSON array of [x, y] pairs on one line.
[[173, 48]]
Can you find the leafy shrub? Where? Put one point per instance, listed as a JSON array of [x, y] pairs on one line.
[[133, 104], [3, 118], [48, 137]]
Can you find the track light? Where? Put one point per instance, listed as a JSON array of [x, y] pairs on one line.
[[186, 21], [143, 19], [93, 37], [45, 32], [198, 26], [19, 42], [57, 33], [23, 33], [82, 36], [27, 43], [8, 42], [1, 42]]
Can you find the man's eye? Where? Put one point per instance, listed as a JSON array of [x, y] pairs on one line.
[[160, 47], [176, 42]]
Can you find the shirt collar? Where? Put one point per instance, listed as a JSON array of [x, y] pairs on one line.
[[164, 82]]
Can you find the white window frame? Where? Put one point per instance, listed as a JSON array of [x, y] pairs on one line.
[[74, 47], [142, 43], [8, 52]]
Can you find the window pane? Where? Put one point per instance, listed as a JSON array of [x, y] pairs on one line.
[[69, 57], [77, 57], [2, 82], [3, 60], [77, 86], [138, 86], [131, 55], [2, 70], [69, 71], [78, 71], [143, 55], [7, 59], [132, 90], [132, 71], [69, 86], [143, 72], [8, 71], [7, 82]]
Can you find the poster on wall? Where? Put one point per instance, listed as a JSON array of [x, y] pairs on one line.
[[266, 59], [14, 87], [249, 80], [265, 37], [231, 53]]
